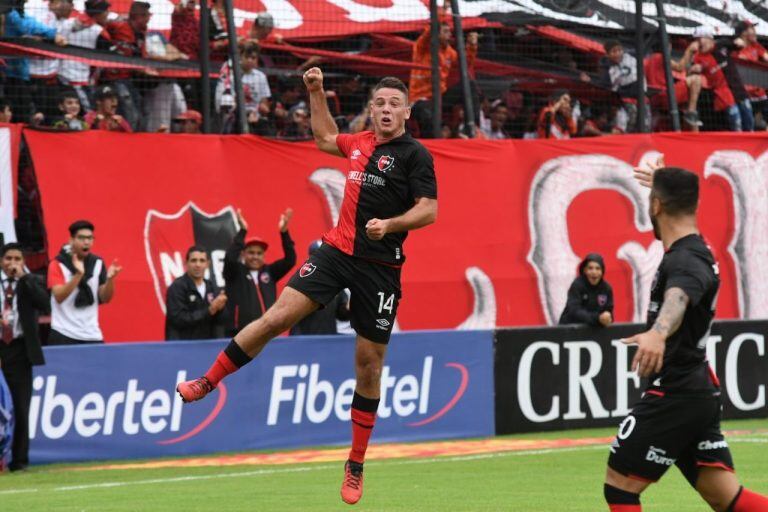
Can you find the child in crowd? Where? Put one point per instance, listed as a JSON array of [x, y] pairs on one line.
[[70, 119]]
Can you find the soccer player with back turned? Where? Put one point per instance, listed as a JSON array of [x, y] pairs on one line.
[[390, 189], [677, 420]]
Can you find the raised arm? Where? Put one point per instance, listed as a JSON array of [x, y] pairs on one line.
[[107, 290], [323, 126], [687, 59]]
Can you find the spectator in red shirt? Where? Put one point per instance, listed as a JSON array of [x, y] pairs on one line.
[[687, 90], [188, 122], [556, 119], [129, 38], [754, 52], [713, 59], [105, 117], [262, 27], [420, 84], [185, 33]]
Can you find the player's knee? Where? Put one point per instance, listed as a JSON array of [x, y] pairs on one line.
[[276, 321], [368, 371]]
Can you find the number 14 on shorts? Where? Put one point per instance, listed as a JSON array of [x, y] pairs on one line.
[[386, 303]]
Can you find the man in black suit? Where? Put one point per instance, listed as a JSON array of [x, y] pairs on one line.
[[22, 299], [194, 304]]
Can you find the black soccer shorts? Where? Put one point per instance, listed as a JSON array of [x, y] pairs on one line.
[[665, 430], [375, 289]]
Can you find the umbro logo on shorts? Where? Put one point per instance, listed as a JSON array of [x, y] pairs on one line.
[[383, 323], [307, 269]]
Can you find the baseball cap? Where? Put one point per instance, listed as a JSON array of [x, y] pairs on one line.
[[314, 246], [192, 115], [255, 240], [264, 19], [703, 31], [742, 26], [105, 91], [96, 6]]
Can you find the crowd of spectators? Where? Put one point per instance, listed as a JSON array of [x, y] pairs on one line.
[[70, 94]]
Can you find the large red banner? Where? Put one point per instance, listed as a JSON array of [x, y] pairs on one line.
[[515, 217]]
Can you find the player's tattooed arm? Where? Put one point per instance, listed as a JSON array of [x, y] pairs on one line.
[[651, 344], [672, 312]]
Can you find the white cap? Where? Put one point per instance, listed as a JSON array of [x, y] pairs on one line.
[[703, 31]]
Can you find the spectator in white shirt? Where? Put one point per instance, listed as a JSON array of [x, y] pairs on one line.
[[255, 88], [43, 73], [86, 31], [79, 282]]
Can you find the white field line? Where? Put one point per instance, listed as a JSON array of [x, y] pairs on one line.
[[260, 472], [305, 469]]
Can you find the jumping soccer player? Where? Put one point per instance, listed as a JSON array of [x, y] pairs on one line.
[[677, 421], [390, 189]]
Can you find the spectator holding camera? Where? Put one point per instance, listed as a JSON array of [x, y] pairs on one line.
[[251, 282], [590, 297], [556, 119], [194, 304], [79, 281]]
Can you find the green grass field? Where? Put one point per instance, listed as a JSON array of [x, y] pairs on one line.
[[546, 480]]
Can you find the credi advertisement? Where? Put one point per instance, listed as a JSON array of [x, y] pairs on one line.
[[118, 401], [571, 377], [515, 217]]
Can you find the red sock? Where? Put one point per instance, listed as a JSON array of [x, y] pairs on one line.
[[363, 419], [228, 361], [748, 501], [625, 508]]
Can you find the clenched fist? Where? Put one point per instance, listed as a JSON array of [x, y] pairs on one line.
[[313, 79]]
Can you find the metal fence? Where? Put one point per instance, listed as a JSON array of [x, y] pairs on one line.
[[547, 68]]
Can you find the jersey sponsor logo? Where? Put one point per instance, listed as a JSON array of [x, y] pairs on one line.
[[167, 236], [307, 270], [658, 456], [355, 154], [264, 278], [385, 163], [713, 445], [366, 179]]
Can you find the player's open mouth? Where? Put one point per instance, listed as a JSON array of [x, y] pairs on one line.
[[386, 120]]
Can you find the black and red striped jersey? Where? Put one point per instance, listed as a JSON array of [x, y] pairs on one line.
[[383, 181]]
